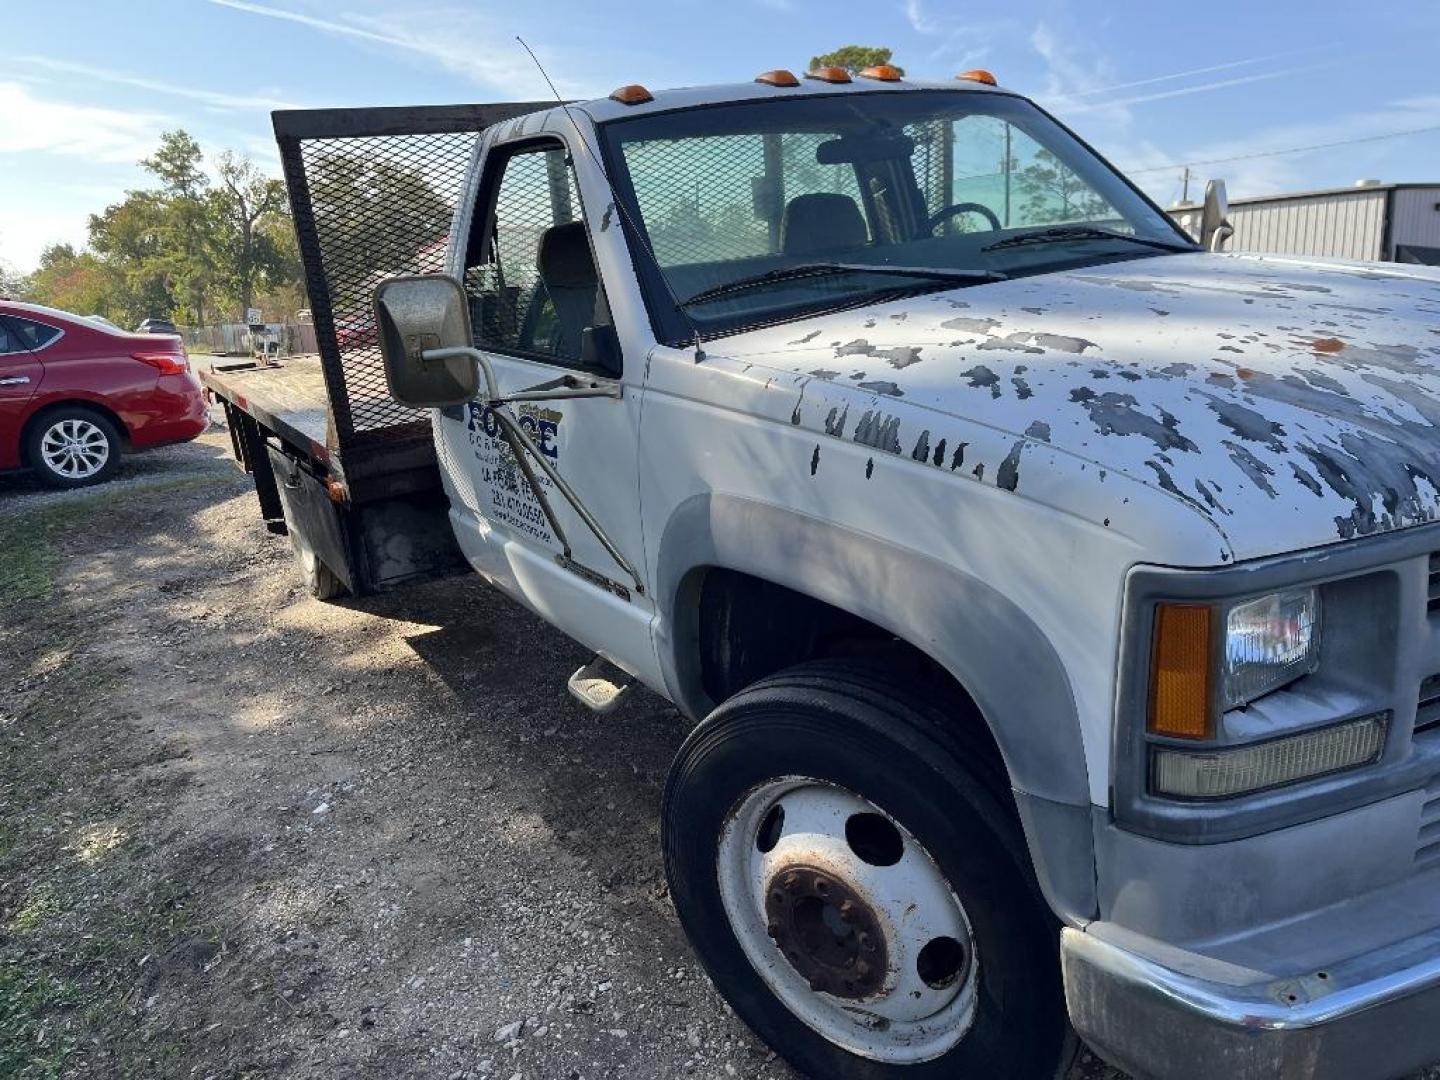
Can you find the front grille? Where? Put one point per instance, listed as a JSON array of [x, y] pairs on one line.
[[1427, 847], [1432, 603], [1427, 708]]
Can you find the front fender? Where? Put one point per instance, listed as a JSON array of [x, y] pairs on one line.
[[985, 641]]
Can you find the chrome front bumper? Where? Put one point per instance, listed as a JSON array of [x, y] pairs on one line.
[[1372, 1018]]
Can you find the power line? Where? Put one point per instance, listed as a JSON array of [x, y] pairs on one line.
[[1279, 153]]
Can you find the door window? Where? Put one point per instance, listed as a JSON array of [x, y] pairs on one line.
[[33, 335], [532, 282], [9, 341]]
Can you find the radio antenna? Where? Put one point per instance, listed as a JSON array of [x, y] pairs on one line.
[[619, 205]]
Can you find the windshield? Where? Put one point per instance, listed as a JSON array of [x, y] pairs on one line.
[[741, 203]]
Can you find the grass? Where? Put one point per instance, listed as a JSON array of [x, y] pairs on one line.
[[32, 1046], [34, 539], [78, 911]]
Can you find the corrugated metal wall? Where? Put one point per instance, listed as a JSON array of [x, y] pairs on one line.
[[1414, 217], [1346, 225]]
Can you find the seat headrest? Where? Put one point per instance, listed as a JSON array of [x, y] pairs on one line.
[[820, 221], [564, 256]]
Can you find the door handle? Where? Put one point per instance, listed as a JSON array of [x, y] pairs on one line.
[[15, 380]]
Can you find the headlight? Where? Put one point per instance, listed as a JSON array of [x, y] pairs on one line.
[[1269, 642]]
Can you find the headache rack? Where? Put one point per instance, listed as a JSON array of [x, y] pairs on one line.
[[337, 462]]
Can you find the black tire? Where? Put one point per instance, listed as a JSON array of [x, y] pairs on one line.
[[88, 420], [876, 735]]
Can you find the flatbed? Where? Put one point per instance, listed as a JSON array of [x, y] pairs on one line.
[[343, 497]]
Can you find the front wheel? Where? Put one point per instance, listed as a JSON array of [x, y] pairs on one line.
[[856, 888]]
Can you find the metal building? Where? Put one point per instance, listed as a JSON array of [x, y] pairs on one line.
[[1385, 222]]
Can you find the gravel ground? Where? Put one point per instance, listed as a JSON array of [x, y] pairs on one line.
[[247, 834]]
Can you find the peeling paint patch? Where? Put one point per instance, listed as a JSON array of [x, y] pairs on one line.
[[940, 452], [974, 326], [1038, 429], [958, 458], [1306, 479], [605, 220], [922, 446], [835, 424], [811, 336], [1249, 424], [825, 373], [1114, 413], [815, 460], [879, 430], [1008, 475], [1258, 472], [869, 468], [982, 378], [1022, 388], [883, 387]]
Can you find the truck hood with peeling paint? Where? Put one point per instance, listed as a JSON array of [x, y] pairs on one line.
[[1292, 403]]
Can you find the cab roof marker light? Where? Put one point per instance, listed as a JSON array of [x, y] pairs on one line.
[[829, 74], [633, 94], [778, 77], [883, 72], [979, 75]]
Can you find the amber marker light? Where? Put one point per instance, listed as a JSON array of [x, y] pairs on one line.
[[883, 72], [1181, 701], [978, 75], [634, 94], [778, 77], [829, 74]]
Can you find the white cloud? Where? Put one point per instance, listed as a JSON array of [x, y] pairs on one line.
[[215, 99], [29, 124], [464, 42], [959, 42]]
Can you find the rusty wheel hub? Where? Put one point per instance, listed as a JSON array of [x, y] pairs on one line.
[[828, 933]]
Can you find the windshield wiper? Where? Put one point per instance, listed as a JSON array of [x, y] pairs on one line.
[[816, 270], [1063, 233]]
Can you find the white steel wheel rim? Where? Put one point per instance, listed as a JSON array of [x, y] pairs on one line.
[[922, 1008], [75, 449]]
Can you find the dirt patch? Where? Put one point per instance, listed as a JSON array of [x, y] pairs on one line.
[[247, 834]]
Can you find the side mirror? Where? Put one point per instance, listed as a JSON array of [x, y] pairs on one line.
[[413, 315], [1215, 227]]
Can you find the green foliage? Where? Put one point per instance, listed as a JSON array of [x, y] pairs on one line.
[[1052, 193], [188, 248], [853, 58]]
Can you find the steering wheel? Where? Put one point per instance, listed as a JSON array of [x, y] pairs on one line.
[[945, 213]]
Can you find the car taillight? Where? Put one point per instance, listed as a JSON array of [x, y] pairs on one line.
[[166, 363]]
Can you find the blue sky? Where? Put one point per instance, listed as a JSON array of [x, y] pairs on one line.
[[88, 86]]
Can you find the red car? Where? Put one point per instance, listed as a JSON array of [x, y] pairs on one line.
[[76, 394]]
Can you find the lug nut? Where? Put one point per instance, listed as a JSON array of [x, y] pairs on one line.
[[822, 886], [847, 911], [791, 882]]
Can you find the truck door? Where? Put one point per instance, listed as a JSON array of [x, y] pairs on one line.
[[536, 297], [20, 373]]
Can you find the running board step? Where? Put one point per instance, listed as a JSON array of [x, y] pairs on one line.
[[595, 685]]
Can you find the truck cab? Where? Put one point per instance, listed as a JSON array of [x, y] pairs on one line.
[[1054, 599]]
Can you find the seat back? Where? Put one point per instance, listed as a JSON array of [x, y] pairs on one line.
[[821, 221]]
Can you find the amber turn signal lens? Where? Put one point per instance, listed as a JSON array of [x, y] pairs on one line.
[[978, 75], [1181, 702], [829, 74], [778, 77], [634, 94], [883, 72]]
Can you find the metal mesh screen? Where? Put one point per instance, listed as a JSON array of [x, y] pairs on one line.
[[373, 193], [382, 207]]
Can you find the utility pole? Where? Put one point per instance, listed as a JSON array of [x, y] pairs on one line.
[[1185, 188]]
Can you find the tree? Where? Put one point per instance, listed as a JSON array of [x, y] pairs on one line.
[[1052, 192], [247, 255], [12, 282], [78, 282], [854, 58], [185, 223]]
